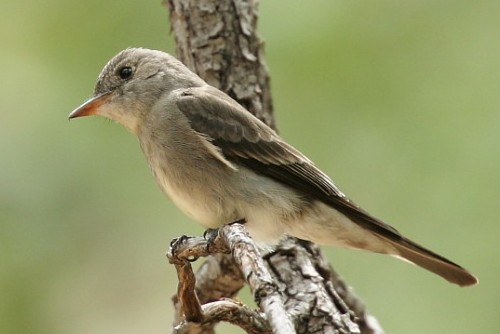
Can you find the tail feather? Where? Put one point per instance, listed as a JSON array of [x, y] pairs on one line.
[[433, 262], [405, 248]]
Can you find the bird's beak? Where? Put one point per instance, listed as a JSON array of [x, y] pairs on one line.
[[91, 107]]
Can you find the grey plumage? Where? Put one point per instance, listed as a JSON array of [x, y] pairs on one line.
[[220, 164]]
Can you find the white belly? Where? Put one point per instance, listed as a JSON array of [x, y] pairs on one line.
[[201, 208]]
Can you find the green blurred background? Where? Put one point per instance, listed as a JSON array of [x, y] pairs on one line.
[[397, 100]]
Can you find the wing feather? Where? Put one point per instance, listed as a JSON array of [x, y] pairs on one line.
[[243, 138]]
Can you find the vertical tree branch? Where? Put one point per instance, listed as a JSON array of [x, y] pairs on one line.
[[217, 39]]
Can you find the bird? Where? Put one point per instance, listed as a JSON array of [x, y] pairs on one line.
[[220, 164]]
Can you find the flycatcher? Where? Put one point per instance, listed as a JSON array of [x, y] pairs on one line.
[[220, 164]]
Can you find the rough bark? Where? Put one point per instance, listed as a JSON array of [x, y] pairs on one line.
[[217, 39]]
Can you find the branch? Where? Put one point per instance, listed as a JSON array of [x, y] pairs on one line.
[[233, 237], [231, 312], [266, 292], [218, 41]]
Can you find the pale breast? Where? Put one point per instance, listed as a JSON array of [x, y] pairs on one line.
[[191, 191]]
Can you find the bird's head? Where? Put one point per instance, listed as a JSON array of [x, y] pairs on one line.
[[132, 82]]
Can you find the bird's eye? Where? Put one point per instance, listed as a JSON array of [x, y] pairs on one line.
[[125, 72]]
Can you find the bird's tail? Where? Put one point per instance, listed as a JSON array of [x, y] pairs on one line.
[[401, 246], [431, 261]]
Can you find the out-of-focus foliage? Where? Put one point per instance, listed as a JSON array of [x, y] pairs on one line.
[[397, 100]]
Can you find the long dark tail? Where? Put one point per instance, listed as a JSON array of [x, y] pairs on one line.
[[405, 248], [433, 262]]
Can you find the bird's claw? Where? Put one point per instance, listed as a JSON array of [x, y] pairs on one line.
[[210, 234], [176, 249], [176, 242]]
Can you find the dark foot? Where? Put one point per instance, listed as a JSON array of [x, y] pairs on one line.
[[210, 234], [177, 242]]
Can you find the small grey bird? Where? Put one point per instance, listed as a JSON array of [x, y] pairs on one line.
[[220, 164]]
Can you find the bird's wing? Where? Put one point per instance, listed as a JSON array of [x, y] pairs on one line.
[[243, 138]]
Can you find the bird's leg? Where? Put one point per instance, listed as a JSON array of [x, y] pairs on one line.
[[212, 236]]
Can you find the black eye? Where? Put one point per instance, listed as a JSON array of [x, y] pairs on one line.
[[125, 72]]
